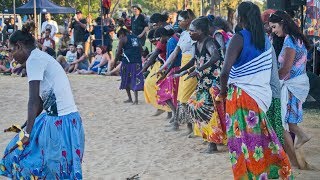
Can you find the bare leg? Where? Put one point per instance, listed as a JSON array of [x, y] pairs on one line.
[[71, 68], [129, 96], [289, 148], [169, 116], [135, 98], [302, 137], [173, 109]]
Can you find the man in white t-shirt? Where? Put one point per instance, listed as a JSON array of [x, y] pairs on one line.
[[49, 24]]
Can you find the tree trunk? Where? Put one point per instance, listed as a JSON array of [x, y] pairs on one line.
[[230, 16], [114, 7]]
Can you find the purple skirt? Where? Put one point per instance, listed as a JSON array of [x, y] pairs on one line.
[[130, 78]]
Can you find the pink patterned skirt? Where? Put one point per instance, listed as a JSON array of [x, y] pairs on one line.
[[167, 89]]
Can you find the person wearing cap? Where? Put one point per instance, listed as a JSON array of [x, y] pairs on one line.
[[49, 24], [139, 26], [81, 61], [79, 25]]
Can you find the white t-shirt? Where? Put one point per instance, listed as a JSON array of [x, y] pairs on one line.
[[47, 43], [55, 90], [54, 27], [185, 43], [70, 56]]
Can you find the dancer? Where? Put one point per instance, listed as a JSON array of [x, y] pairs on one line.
[[168, 87], [295, 83], [255, 151], [130, 49], [51, 145], [208, 63], [186, 88], [150, 88]]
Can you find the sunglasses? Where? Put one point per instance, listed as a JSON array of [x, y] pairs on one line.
[[274, 15]]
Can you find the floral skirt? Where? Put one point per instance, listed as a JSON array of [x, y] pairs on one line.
[[294, 110], [214, 130], [274, 116], [255, 151], [55, 150], [130, 78], [150, 88], [168, 88]]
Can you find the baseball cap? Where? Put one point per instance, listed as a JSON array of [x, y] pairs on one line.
[[79, 47], [79, 12]]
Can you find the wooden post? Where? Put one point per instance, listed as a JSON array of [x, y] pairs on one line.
[[35, 19]]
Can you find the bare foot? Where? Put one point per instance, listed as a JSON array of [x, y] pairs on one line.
[[128, 101], [301, 141], [169, 116], [158, 112], [212, 148]]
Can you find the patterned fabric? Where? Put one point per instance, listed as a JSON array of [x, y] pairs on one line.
[[274, 116], [130, 77], [255, 151], [215, 130], [201, 103], [168, 88], [55, 150], [150, 88], [294, 107], [252, 71]]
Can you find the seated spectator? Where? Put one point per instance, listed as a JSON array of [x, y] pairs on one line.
[[47, 41], [47, 44], [5, 62], [70, 57], [99, 64], [81, 61]]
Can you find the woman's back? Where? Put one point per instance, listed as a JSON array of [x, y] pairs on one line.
[[55, 88]]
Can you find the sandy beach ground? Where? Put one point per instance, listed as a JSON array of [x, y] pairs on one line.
[[123, 140]]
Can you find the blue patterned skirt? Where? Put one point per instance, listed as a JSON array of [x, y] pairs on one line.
[[55, 150]]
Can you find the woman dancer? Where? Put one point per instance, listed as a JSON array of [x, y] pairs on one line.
[[130, 49], [52, 144], [255, 151], [295, 83], [186, 88], [150, 87], [208, 64], [168, 86]]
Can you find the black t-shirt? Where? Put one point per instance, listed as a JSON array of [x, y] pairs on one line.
[[78, 31], [138, 25]]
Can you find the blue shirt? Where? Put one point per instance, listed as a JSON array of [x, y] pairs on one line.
[[171, 45]]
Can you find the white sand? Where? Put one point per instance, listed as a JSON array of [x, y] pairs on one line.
[[123, 140]]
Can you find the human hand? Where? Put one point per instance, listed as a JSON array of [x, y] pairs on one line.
[[191, 75]]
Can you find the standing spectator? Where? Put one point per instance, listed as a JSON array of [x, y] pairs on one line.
[[49, 24], [139, 26], [63, 44], [79, 25], [107, 40], [9, 28]]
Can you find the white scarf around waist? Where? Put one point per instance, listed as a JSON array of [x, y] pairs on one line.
[[299, 87]]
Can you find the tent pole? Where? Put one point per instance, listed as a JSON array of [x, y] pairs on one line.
[[14, 15], [35, 19], [102, 22]]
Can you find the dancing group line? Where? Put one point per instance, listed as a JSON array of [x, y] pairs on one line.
[[229, 88]]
